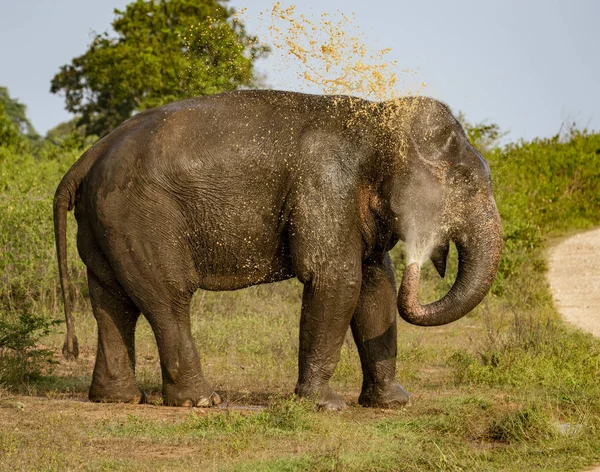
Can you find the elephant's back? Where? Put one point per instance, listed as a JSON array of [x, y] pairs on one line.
[[234, 131], [173, 175]]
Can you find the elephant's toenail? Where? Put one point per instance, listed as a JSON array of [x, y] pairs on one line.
[[203, 402]]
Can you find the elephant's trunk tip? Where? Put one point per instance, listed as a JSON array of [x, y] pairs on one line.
[[409, 307]]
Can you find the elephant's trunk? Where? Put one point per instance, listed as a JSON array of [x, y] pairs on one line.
[[479, 247]]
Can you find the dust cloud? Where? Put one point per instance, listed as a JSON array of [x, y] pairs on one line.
[[328, 52]]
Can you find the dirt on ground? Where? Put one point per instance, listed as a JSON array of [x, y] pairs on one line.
[[574, 276]]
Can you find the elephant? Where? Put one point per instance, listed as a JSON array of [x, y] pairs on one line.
[[250, 187]]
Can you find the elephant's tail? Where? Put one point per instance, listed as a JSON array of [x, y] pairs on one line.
[[64, 201]]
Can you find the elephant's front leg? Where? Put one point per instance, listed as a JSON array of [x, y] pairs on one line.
[[328, 303], [374, 330]]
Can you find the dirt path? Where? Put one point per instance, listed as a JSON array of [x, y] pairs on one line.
[[574, 276]]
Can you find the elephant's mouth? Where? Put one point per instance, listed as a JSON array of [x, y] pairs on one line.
[[439, 257]]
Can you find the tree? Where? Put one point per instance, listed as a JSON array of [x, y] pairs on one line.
[[64, 137], [65, 129], [16, 112], [484, 136], [164, 50], [10, 135]]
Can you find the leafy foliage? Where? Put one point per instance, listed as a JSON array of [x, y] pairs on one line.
[[29, 299], [484, 136], [10, 136], [17, 114], [20, 355], [64, 139], [66, 130], [543, 187], [162, 51]]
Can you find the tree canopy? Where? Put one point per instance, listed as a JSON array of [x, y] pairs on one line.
[[10, 136], [161, 51], [15, 112]]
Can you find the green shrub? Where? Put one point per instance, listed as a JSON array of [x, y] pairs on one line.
[[30, 299], [543, 188], [28, 268], [21, 357], [10, 135]]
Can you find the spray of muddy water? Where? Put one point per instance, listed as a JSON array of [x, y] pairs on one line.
[[328, 52]]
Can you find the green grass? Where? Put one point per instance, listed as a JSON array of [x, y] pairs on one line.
[[508, 387], [461, 430]]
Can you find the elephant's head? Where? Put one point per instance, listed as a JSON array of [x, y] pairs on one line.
[[441, 191]]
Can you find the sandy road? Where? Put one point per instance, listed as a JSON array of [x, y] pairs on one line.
[[574, 276]]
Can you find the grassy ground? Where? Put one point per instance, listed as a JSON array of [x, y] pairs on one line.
[[508, 387], [511, 413]]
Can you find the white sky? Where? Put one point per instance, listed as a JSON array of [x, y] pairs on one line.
[[528, 65]]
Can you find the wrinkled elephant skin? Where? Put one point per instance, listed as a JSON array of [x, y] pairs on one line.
[[252, 187]]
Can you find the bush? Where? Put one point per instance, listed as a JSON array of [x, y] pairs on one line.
[[10, 135], [21, 358], [28, 268], [30, 298], [543, 188]]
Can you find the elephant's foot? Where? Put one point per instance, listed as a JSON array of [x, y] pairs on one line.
[[189, 396], [324, 397], [115, 392], [388, 395]]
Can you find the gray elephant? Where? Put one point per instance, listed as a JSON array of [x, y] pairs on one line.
[[252, 187]]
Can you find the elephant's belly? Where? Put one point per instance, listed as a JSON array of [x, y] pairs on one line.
[[245, 276], [238, 240], [231, 267]]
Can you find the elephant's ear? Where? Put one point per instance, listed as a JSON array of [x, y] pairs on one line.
[[438, 150], [428, 162]]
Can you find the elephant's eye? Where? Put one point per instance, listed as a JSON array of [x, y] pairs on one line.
[[462, 173]]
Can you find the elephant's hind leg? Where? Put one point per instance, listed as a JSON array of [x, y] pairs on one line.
[[152, 261], [114, 371], [183, 381]]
